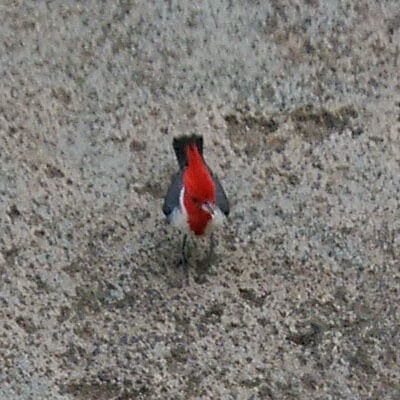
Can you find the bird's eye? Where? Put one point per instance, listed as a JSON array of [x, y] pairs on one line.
[[195, 200]]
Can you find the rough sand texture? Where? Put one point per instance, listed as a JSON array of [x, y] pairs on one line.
[[299, 104]]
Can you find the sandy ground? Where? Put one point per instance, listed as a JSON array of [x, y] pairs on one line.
[[299, 104]]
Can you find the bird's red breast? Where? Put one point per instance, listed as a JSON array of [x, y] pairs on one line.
[[199, 188]]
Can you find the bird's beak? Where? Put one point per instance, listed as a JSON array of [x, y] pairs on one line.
[[209, 207]]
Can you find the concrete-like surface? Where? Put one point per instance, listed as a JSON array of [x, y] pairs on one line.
[[299, 103]]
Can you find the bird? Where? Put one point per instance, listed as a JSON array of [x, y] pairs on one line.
[[196, 202]]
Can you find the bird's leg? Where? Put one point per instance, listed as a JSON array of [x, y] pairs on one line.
[[210, 250], [183, 260]]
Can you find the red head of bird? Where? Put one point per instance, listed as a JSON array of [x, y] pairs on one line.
[[199, 191]]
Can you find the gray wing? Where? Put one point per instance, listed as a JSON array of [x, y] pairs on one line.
[[222, 200], [172, 199]]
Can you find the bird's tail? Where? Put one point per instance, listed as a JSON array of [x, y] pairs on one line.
[[181, 142]]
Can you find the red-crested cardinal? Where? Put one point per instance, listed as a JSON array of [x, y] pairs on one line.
[[195, 202]]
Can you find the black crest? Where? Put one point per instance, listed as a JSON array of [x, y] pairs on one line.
[[179, 144]]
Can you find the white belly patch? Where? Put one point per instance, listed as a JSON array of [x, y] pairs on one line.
[[178, 218]]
